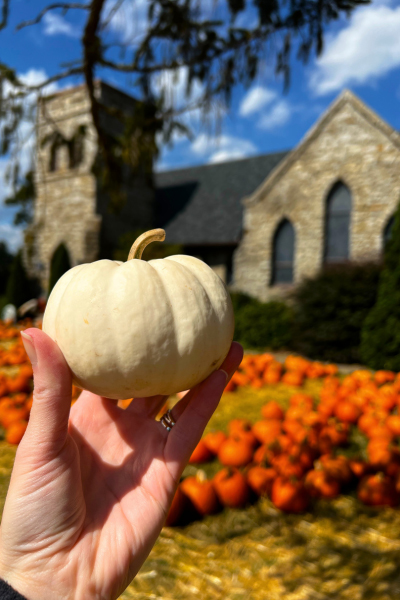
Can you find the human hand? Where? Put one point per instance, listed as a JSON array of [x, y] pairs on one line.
[[92, 484]]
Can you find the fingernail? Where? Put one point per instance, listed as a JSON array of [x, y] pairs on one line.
[[225, 373], [29, 346]]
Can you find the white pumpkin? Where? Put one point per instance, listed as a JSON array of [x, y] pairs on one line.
[[141, 328]]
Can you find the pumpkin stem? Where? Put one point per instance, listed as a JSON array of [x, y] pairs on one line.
[[154, 235]]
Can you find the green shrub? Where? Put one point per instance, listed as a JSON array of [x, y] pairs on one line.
[[261, 326], [330, 310], [380, 339], [19, 287], [6, 260], [59, 265]]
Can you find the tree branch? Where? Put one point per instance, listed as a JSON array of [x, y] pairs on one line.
[[66, 6], [4, 14], [91, 53]]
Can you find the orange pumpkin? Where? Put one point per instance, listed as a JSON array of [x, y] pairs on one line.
[[213, 440], [239, 425], [179, 505], [202, 494], [359, 467], [293, 378], [201, 454], [347, 411], [15, 432], [247, 436], [263, 455], [272, 410], [232, 488], [288, 466], [382, 377], [289, 495], [393, 423], [261, 479], [13, 414], [377, 490], [20, 383], [320, 485], [267, 430], [337, 467], [235, 452], [272, 375]]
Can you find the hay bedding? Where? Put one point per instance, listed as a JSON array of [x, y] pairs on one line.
[[339, 550]]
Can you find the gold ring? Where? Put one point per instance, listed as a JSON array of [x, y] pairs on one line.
[[168, 420]]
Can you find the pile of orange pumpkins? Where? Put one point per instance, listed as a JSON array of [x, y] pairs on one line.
[[15, 390], [347, 442], [258, 370]]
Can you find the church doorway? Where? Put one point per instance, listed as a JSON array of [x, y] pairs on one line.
[[60, 264]]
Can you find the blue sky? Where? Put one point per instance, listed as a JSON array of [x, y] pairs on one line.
[[361, 53]]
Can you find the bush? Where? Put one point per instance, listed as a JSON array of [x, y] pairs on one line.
[[19, 287], [330, 310], [380, 339], [6, 260], [259, 326]]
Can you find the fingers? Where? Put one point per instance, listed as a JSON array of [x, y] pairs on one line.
[[48, 422], [195, 410]]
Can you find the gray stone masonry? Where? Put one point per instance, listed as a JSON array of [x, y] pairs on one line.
[[350, 144]]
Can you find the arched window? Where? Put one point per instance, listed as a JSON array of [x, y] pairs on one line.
[[388, 231], [337, 225], [283, 253], [75, 149]]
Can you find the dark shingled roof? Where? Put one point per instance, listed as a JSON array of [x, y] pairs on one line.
[[202, 205]]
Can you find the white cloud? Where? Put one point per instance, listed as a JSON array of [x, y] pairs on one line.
[[279, 114], [173, 85], [222, 148], [367, 48], [256, 99], [56, 25], [128, 20], [36, 77]]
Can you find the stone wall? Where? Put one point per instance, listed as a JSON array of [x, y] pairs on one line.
[[349, 144]]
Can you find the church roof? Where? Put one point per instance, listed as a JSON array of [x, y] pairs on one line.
[[203, 205]]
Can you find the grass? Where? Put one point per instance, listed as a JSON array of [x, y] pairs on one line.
[[338, 550]]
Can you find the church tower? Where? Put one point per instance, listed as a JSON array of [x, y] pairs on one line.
[[71, 210]]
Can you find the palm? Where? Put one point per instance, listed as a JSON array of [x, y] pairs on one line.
[[126, 485]]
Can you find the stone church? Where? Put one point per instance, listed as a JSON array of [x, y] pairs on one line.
[[263, 223]]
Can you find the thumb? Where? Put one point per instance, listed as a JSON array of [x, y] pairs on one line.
[[48, 421]]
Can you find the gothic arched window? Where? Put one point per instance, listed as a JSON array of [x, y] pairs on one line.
[[75, 149], [388, 231], [283, 253], [337, 224]]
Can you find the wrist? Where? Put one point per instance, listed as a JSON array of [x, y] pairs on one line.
[[25, 590], [9, 592]]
